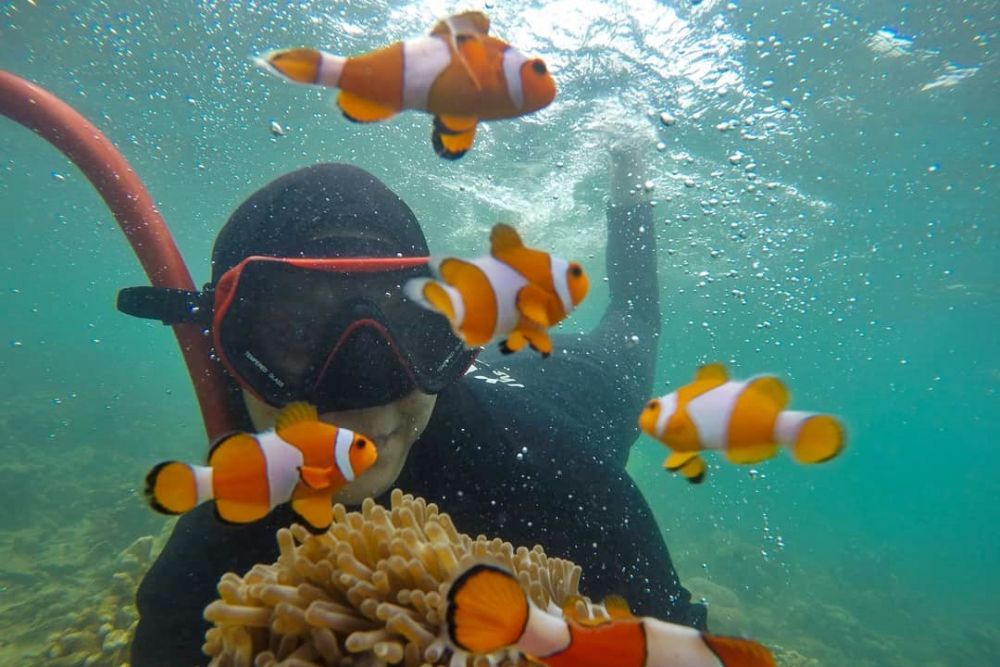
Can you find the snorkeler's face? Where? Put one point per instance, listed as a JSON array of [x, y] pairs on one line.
[[393, 427]]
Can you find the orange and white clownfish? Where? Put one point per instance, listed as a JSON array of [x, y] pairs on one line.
[[488, 610], [746, 420], [459, 73], [303, 460], [513, 295]]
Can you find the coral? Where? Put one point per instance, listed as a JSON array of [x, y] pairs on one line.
[[99, 635], [370, 591]]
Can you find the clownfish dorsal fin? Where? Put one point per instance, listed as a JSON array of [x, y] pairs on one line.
[[617, 607], [576, 608], [471, 22], [771, 389], [460, 26], [293, 413], [504, 238], [714, 373]]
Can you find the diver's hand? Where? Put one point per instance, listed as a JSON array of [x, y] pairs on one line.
[[628, 171]]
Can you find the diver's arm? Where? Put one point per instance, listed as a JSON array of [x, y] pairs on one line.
[[627, 335], [630, 328]]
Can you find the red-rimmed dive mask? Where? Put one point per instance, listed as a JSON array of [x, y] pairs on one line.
[[339, 333]]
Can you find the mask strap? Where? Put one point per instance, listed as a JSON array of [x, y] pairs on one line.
[[169, 305]]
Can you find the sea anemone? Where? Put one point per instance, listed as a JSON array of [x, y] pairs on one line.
[[370, 592]]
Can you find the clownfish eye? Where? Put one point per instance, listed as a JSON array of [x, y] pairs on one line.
[[575, 270], [360, 443], [651, 405], [538, 66]]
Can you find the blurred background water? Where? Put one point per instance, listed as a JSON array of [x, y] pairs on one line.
[[825, 184]]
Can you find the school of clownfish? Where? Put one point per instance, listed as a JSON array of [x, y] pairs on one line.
[[511, 297]]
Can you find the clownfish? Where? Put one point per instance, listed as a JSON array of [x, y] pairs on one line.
[[488, 610], [458, 73], [303, 460], [514, 295], [746, 420]]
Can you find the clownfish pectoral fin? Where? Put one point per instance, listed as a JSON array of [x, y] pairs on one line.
[[172, 487], [689, 464], [314, 477], [315, 508], [539, 341], [533, 303], [487, 609], [294, 413], [453, 135], [514, 342], [820, 438], [751, 453], [714, 373], [735, 652], [361, 110]]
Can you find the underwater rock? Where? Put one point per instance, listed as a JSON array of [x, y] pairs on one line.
[[786, 657], [98, 635]]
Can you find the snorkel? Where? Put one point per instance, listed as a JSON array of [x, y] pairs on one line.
[[126, 196]]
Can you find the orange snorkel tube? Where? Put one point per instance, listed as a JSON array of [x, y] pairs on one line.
[[133, 208]]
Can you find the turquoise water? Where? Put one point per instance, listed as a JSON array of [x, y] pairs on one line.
[[827, 209]]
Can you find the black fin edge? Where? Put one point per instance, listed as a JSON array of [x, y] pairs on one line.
[[441, 150], [151, 482]]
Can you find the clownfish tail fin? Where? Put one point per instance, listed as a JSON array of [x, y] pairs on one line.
[[307, 66], [813, 438], [298, 65], [172, 487], [735, 652], [487, 609]]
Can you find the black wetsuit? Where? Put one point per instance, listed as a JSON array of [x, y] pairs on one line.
[[529, 450]]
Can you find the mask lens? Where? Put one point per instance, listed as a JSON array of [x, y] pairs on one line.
[[337, 338]]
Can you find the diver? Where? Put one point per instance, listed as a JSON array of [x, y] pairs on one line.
[[532, 451]]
